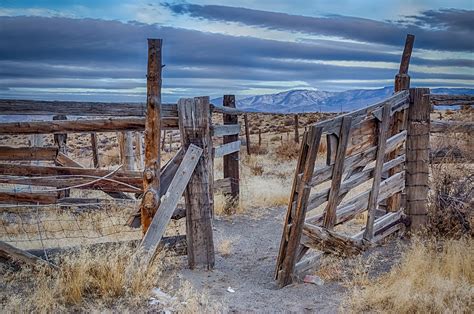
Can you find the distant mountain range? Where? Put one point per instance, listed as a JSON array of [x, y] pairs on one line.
[[304, 100]]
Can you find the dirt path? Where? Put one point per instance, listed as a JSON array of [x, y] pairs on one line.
[[247, 246]]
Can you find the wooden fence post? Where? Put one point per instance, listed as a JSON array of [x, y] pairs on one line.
[[139, 150], [126, 150], [247, 134], [60, 140], [151, 173], [194, 124], [417, 157], [95, 151], [297, 134], [402, 82], [259, 138], [231, 161]]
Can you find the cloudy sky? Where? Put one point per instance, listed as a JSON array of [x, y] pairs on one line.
[[96, 50]]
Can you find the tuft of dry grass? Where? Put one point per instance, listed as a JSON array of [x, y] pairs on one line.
[[433, 276], [87, 278], [225, 247], [287, 150]]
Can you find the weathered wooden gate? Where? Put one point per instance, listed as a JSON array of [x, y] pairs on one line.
[[362, 149]]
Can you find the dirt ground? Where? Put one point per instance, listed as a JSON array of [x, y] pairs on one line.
[[247, 264]]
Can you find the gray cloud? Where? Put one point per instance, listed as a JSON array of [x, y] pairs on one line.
[[39, 52], [455, 34]]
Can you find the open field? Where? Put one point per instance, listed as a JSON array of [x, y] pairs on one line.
[[246, 245]]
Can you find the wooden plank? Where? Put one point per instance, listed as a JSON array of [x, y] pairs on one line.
[[127, 158], [224, 130], [333, 200], [247, 134], [169, 201], [378, 169], [223, 185], [231, 162], [13, 197], [85, 183], [296, 213], [133, 178], [139, 156], [76, 108], [60, 140], [398, 102], [451, 100], [226, 149], [405, 62], [195, 120], [417, 166], [330, 241], [9, 251], [28, 153], [66, 161], [381, 222], [331, 147], [80, 126], [439, 126], [151, 174]]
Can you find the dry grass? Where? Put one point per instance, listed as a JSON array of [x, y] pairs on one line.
[[432, 277]]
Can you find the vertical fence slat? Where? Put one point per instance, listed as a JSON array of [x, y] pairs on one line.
[[374, 193], [247, 134], [95, 150], [297, 134], [291, 236], [338, 170]]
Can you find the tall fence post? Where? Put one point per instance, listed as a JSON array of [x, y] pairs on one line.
[[231, 161], [297, 134], [402, 82], [247, 134], [194, 124], [151, 173], [417, 157]]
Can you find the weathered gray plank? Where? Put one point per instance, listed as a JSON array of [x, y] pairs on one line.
[[226, 149], [223, 130]]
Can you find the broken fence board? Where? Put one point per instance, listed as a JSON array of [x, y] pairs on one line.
[[226, 149], [169, 202], [9, 251]]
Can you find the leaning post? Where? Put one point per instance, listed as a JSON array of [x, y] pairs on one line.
[[417, 157], [151, 173], [194, 124]]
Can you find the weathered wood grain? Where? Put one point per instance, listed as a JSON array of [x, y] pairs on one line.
[[224, 130], [169, 201], [226, 149], [28, 153]]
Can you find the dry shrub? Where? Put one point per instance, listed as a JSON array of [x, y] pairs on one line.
[[88, 278], [331, 268], [452, 200], [258, 150], [287, 150], [225, 247], [255, 165], [432, 277]]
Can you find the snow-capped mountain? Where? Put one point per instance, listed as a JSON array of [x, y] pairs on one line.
[[302, 100]]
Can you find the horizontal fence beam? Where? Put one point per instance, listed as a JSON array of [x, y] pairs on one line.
[[223, 185], [76, 108], [28, 153], [223, 130], [451, 100], [440, 126], [226, 149], [81, 126], [13, 197]]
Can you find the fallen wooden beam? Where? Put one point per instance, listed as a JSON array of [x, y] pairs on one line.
[[28, 153], [329, 241], [11, 252]]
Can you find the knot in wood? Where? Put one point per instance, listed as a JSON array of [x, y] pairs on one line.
[[150, 202], [149, 175]]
